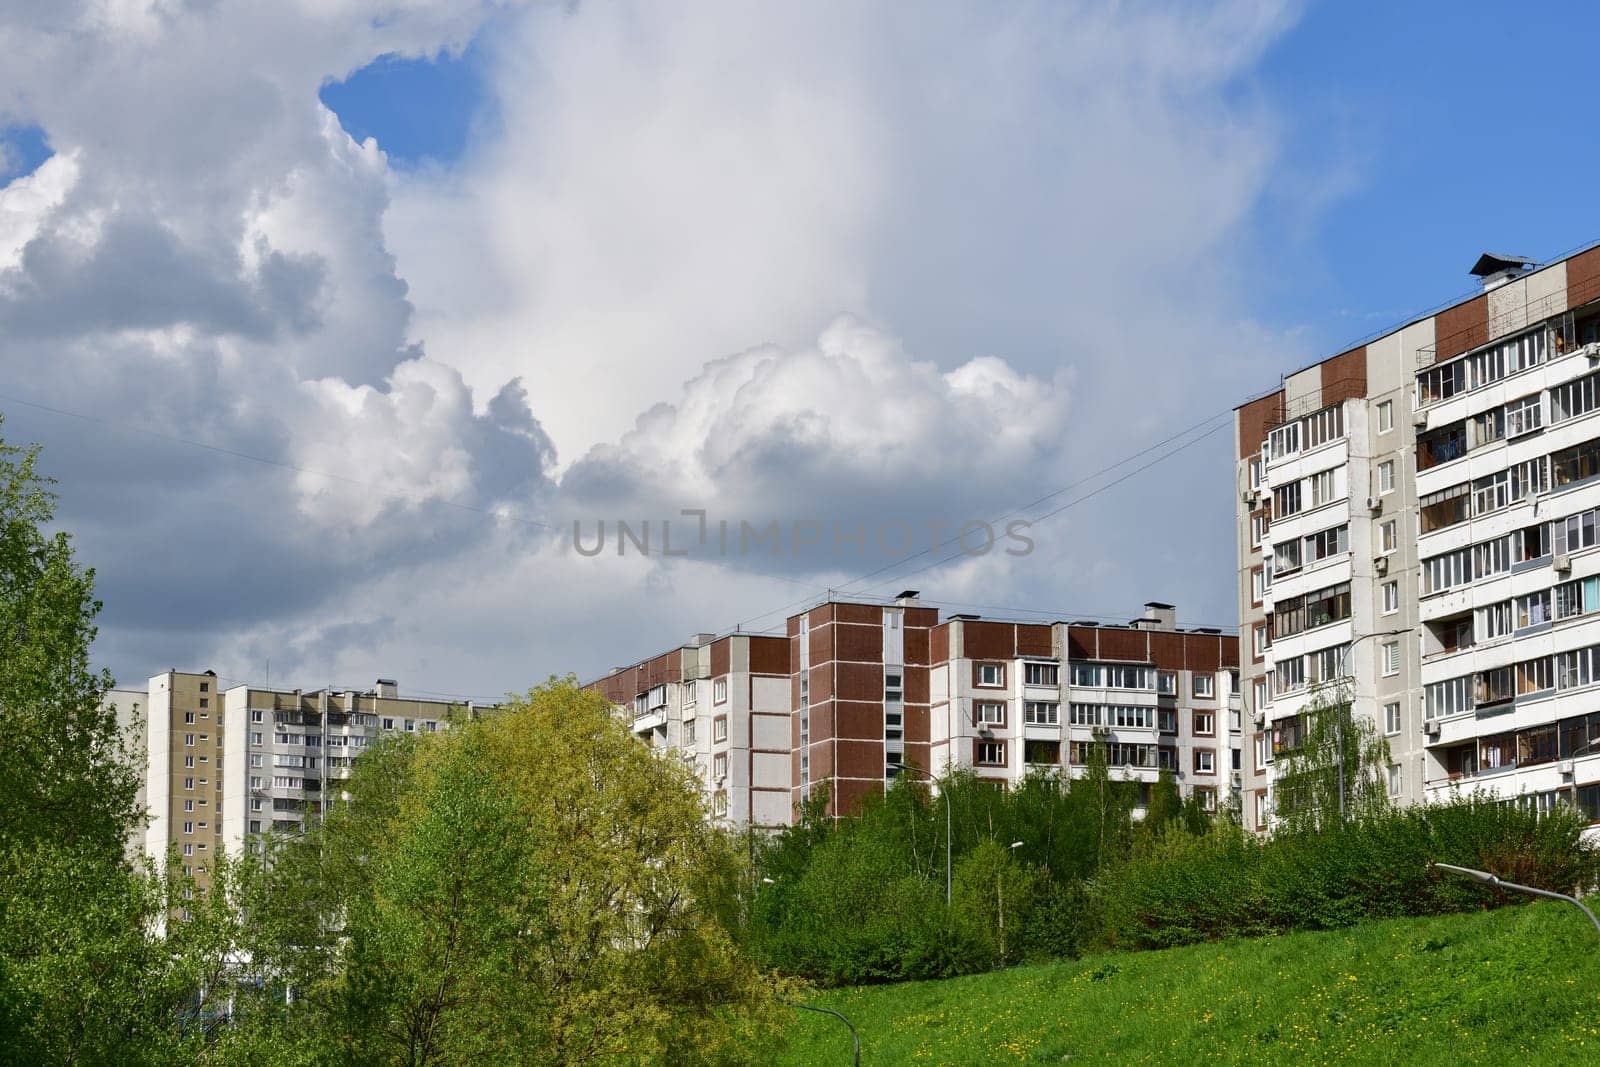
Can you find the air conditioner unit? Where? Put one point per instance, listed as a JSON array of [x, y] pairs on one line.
[[1592, 350], [1431, 728], [1565, 767], [1374, 503], [1563, 563], [1237, 779], [1419, 419], [1380, 565]]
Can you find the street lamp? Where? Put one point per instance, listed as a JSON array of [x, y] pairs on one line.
[[1346, 671], [855, 1038], [1495, 880], [947, 835]]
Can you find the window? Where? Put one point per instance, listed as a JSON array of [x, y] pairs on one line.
[[1445, 508], [255, 781], [1327, 543], [1167, 720], [719, 805], [205, 702], [991, 675], [1326, 425], [188, 805], [1385, 416], [1387, 540], [1523, 416], [1204, 724], [1167, 683], [1042, 713], [255, 826], [1259, 634], [1284, 440], [1322, 489], [388, 724], [188, 718], [1391, 658], [1205, 685], [1041, 674], [1391, 597], [1258, 585], [719, 728], [989, 713], [1577, 597], [1122, 715], [188, 761], [188, 740], [255, 759], [188, 827], [188, 849], [1255, 473], [1573, 399], [1394, 779], [1263, 692], [1447, 571], [1493, 621], [1258, 528], [1575, 464], [719, 691], [1285, 501], [1086, 674], [991, 753], [1386, 476], [893, 686], [1087, 715], [1448, 698], [1441, 383], [255, 715], [1391, 718], [1205, 761], [1037, 751], [719, 766], [688, 732], [1491, 493], [1533, 609], [1528, 478]]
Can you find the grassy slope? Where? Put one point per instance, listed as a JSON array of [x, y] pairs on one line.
[[1519, 985]]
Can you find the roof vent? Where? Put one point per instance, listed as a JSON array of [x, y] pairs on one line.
[[1157, 616], [1493, 270]]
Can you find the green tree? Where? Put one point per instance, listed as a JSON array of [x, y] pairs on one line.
[[85, 973], [535, 887], [1335, 770]]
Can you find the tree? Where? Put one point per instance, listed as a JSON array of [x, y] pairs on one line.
[[533, 887], [84, 976], [1333, 770]]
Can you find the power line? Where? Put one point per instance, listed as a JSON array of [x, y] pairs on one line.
[[1214, 418]]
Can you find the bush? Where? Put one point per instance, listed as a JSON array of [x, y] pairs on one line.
[[1185, 889]]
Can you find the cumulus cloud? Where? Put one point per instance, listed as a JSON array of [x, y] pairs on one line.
[[639, 270], [850, 425]]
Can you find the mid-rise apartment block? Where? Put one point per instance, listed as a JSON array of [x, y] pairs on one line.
[[221, 766], [1414, 524], [858, 693]]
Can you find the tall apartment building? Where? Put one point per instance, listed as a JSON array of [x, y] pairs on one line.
[[221, 766], [724, 704], [1414, 519], [857, 691]]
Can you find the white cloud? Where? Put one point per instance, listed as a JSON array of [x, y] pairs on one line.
[[1028, 205]]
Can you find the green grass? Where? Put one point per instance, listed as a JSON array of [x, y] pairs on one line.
[[1519, 985]]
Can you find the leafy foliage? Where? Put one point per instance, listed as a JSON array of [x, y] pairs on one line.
[[536, 887]]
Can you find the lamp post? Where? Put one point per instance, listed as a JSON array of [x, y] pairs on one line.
[[1346, 671], [1495, 880], [1000, 900], [947, 835]]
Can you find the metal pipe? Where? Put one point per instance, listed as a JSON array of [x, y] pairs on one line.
[[1495, 880]]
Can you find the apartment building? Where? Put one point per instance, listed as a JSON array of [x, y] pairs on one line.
[[128, 705], [223, 765], [1413, 523], [723, 704], [1010, 698], [857, 692]]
